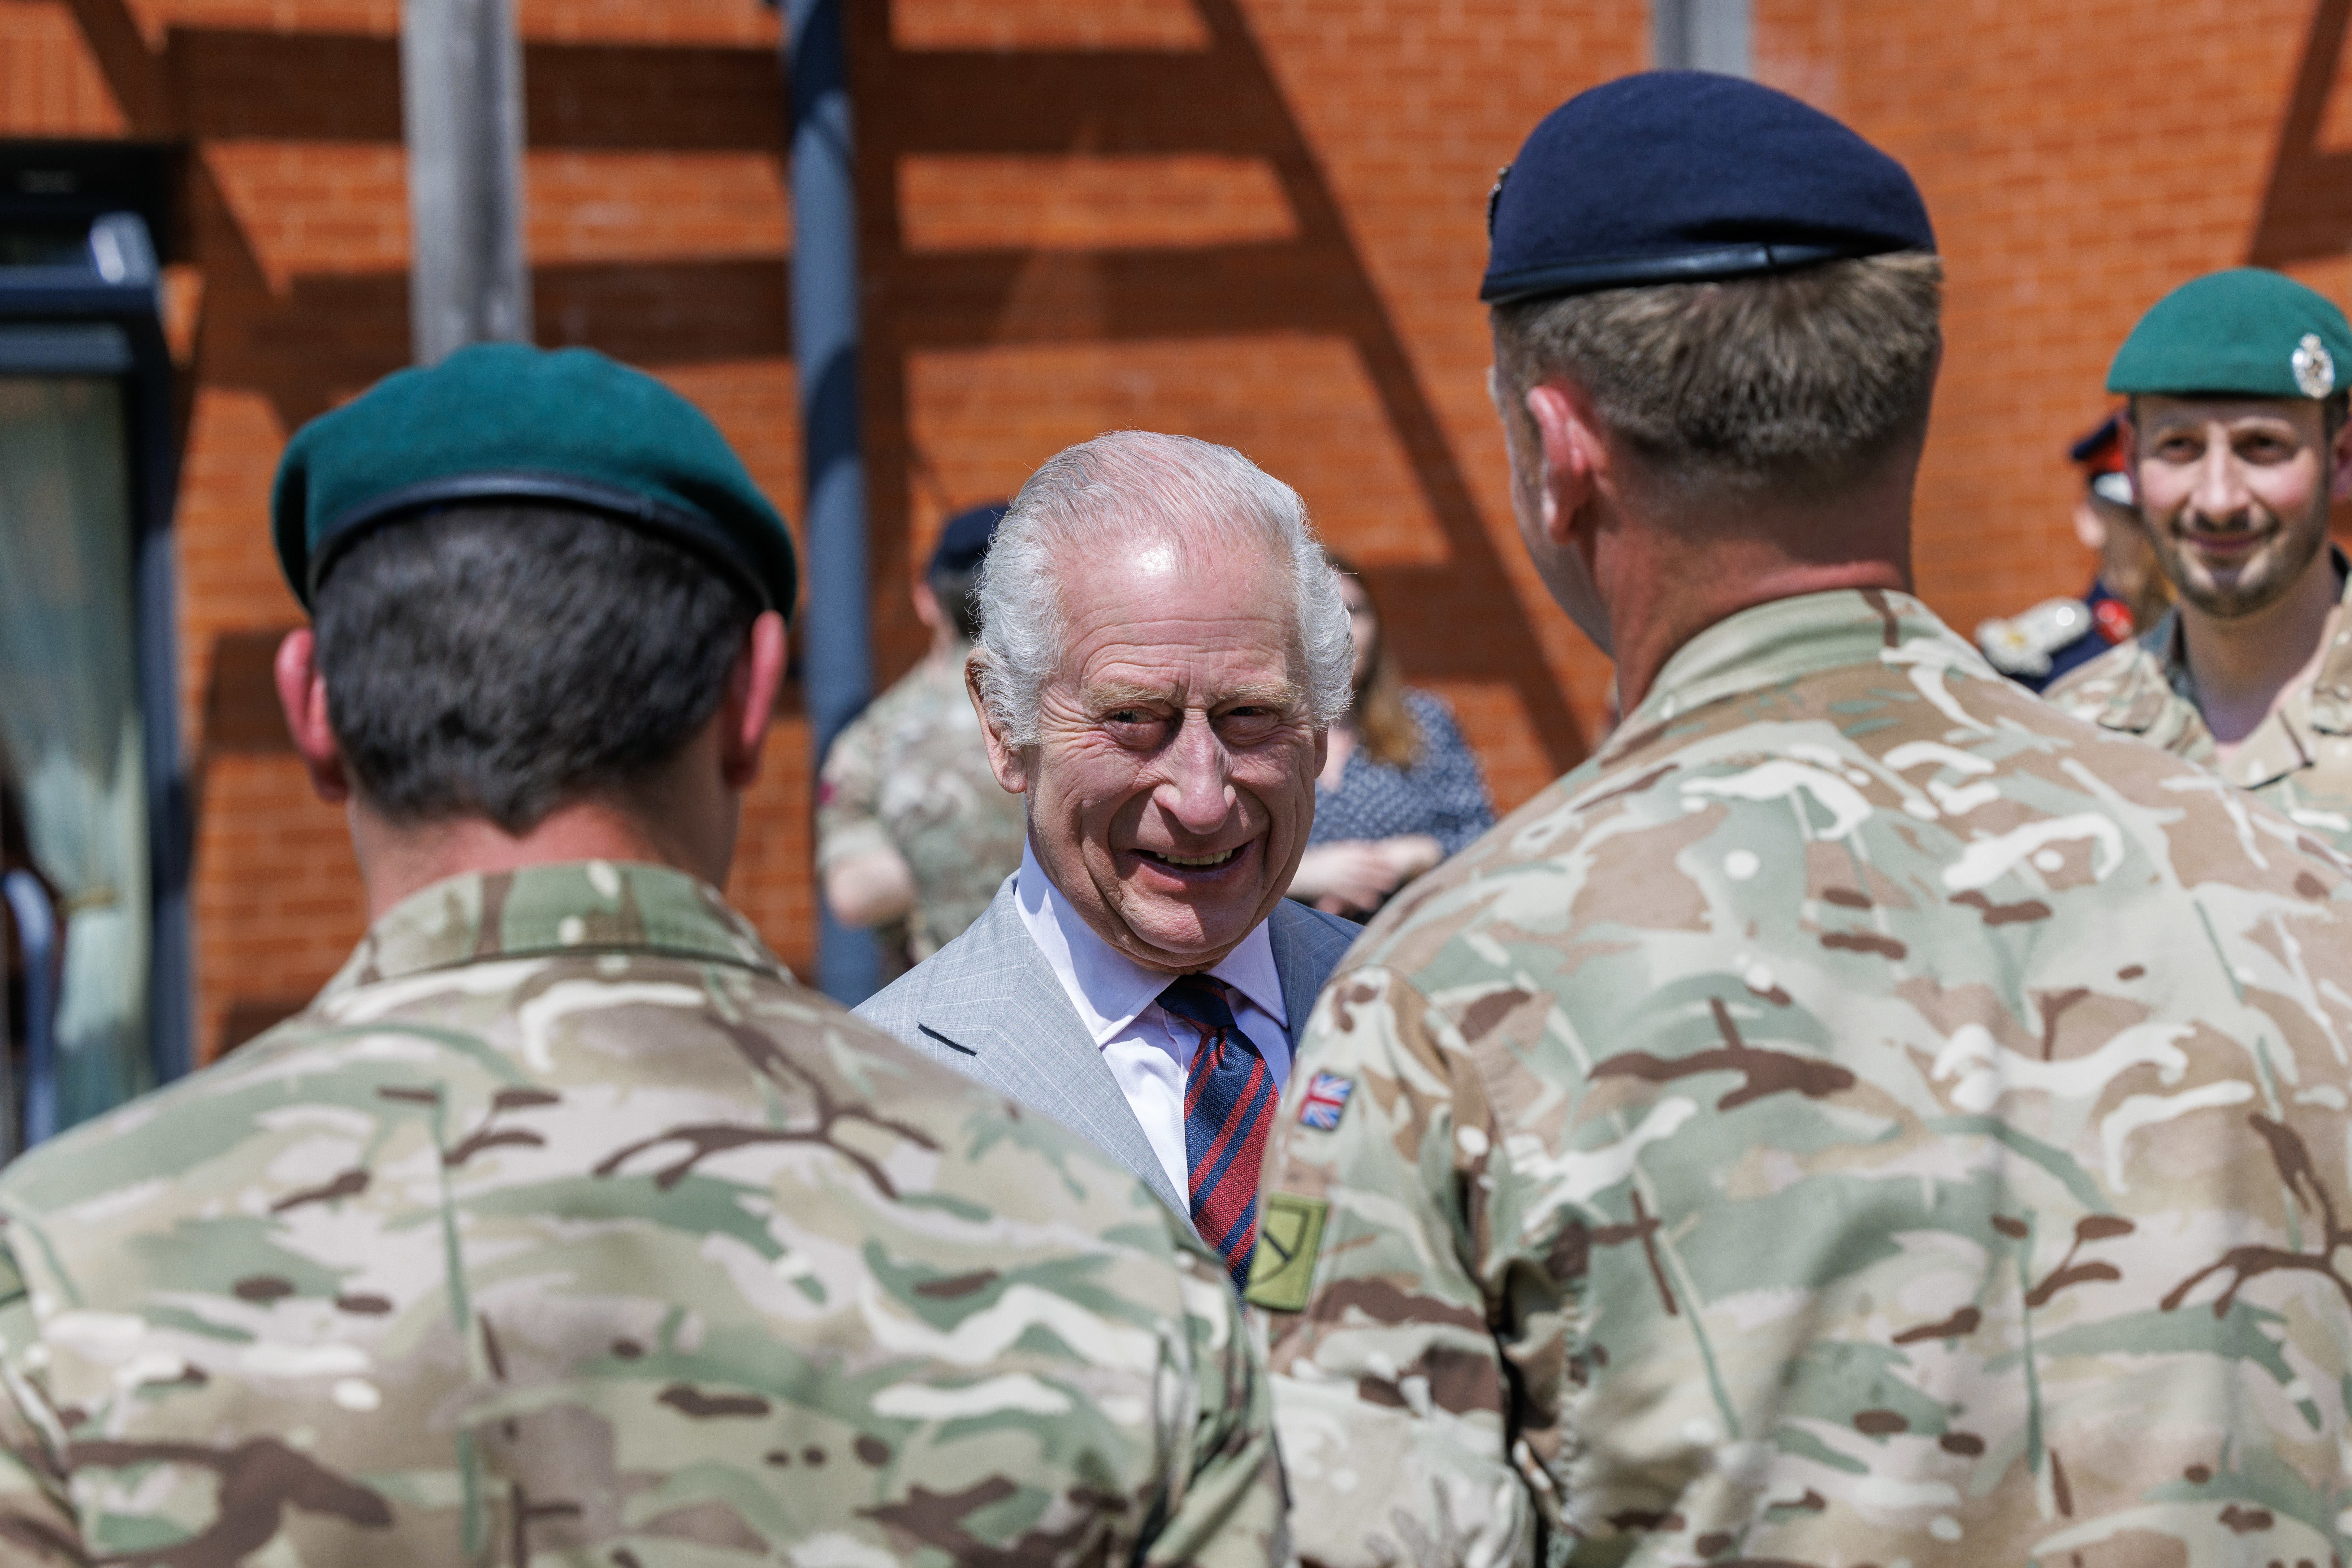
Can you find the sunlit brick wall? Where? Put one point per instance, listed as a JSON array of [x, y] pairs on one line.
[[1265, 230], [2080, 160]]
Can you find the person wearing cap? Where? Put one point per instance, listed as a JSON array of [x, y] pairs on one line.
[[913, 833], [1861, 1114], [2057, 637], [2236, 443], [563, 1224]]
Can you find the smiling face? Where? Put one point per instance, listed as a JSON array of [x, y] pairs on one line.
[[1171, 785], [2235, 495]]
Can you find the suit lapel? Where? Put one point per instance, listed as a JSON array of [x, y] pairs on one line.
[[1306, 951], [1009, 1012]]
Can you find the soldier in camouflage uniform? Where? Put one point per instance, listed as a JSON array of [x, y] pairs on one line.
[[564, 1225], [913, 833], [2238, 442], [1861, 1115]]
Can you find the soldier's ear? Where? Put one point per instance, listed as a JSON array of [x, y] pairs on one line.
[[1574, 455], [748, 706], [2340, 454], [1004, 759], [302, 694], [2090, 528]]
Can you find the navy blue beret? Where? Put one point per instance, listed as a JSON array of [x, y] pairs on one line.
[[506, 421], [2102, 449], [964, 542], [1686, 176]]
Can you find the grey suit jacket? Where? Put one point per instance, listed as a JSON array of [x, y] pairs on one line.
[[989, 1005]]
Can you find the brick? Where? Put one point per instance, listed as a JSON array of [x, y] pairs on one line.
[[2067, 199]]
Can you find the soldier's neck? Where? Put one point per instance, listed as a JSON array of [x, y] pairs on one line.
[[2246, 666], [682, 820], [1664, 582]]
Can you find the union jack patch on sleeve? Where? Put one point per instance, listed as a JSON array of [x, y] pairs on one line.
[[1327, 1096]]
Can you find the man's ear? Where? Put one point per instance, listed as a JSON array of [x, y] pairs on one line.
[[748, 707], [1575, 459], [2090, 528], [1004, 759], [302, 693], [2339, 461], [927, 602]]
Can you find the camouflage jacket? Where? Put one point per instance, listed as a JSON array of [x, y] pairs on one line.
[[564, 1225], [1861, 1115], [2299, 759], [911, 774]]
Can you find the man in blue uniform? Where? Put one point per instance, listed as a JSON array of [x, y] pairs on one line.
[[2129, 593]]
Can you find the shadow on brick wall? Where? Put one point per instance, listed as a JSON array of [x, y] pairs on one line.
[[320, 337], [305, 341], [2306, 209], [1222, 101]]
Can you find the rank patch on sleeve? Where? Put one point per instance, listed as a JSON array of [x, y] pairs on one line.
[[1326, 1097], [1289, 1234]]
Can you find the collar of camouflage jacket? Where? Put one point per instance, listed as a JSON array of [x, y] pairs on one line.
[[586, 906], [2158, 686], [2153, 681], [1771, 644]]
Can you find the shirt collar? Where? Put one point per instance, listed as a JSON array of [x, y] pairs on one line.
[[1772, 644], [536, 911], [2278, 745], [1109, 989]]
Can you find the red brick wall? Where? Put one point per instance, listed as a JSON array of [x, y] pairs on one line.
[[2080, 160], [1257, 221]]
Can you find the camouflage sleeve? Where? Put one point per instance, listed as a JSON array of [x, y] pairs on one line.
[[1400, 1312], [36, 1517], [1233, 1508], [849, 798]]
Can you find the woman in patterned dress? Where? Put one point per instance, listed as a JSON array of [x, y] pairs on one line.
[[1401, 791]]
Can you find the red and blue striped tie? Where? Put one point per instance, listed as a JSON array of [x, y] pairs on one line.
[[1229, 1097]]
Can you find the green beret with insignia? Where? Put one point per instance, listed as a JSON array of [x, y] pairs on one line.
[[509, 423], [2245, 333]]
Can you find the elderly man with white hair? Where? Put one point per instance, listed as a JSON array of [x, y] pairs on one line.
[[1161, 649]]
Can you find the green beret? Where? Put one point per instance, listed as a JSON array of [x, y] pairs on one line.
[[506, 421], [2245, 333]]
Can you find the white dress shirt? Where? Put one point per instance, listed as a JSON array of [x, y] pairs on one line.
[[1118, 1000]]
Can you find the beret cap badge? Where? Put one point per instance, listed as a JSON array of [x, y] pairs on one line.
[[2314, 370], [2227, 334], [1495, 199]]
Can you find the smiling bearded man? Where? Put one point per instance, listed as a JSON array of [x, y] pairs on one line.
[[1161, 649], [2237, 441]]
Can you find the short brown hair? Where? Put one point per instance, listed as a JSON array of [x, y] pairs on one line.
[[1801, 382], [503, 659]]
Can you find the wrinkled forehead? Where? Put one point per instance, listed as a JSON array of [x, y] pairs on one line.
[[1199, 619]]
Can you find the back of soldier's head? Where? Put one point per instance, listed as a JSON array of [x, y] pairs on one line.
[[531, 575], [500, 660], [1747, 290]]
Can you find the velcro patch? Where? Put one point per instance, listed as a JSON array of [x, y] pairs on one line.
[[1289, 1234], [1326, 1097]]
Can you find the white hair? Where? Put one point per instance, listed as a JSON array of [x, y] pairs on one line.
[[1088, 501]]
